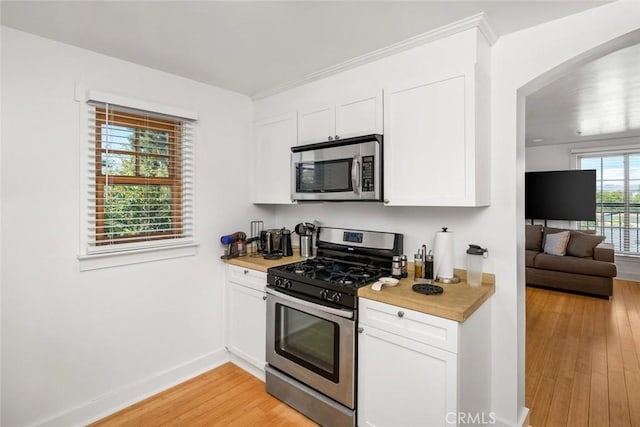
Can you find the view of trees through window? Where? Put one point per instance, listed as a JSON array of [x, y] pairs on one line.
[[138, 180], [617, 199]]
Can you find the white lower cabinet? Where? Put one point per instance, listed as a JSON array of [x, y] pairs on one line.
[[246, 318], [411, 370]]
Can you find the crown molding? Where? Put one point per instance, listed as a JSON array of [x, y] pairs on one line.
[[475, 21]]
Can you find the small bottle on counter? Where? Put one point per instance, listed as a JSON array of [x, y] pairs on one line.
[[428, 267], [396, 267], [403, 266], [417, 266]]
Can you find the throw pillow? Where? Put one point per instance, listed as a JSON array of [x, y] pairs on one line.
[[582, 245], [556, 244], [533, 238]]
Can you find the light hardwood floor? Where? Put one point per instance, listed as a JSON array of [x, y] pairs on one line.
[[582, 358], [582, 369], [225, 396]]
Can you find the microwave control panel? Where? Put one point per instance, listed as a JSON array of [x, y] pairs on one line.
[[367, 174]]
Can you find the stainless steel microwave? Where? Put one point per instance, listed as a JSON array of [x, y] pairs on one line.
[[339, 170]]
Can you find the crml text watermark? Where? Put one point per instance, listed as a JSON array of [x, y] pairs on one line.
[[471, 418]]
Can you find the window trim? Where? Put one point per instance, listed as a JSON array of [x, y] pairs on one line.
[[98, 257]]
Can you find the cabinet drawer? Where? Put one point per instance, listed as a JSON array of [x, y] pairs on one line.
[[245, 276], [421, 327]]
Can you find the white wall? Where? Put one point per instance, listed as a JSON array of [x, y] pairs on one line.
[[517, 59], [558, 157], [523, 62], [78, 344]]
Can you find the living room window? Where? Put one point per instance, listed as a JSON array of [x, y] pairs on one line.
[[617, 198]]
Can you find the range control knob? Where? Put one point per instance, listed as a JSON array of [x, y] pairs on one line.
[[324, 294], [278, 282], [335, 297], [286, 283]]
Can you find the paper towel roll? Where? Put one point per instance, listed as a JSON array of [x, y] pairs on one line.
[[443, 255]]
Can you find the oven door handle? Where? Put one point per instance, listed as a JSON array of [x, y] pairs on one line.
[[348, 314]]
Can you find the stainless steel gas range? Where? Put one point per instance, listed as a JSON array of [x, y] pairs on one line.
[[312, 319]]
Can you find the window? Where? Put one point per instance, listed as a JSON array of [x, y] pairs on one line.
[[617, 198], [140, 179]]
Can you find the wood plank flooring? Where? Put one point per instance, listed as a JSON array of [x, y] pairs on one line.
[[582, 369], [225, 396], [582, 358]]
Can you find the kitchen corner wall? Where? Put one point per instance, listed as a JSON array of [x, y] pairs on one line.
[[76, 345]]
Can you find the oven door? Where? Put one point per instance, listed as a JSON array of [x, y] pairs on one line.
[[329, 172], [313, 344]]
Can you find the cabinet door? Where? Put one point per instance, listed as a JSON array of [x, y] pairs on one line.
[[426, 148], [273, 141], [316, 124], [247, 324], [404, 383], [360, 115]]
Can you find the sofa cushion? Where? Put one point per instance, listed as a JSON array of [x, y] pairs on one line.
[[582, 245], [529, 257], [533, 238], [556, 244], [575, 265]]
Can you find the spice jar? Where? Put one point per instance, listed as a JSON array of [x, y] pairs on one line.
[[403, 266], [417, 266], [396, 267]]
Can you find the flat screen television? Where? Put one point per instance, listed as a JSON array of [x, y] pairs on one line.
[[561, 195]]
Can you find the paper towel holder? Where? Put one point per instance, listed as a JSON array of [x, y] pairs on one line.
[[454, 279], [440, 279]]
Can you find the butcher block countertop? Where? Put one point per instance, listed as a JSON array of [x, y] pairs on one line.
[[457, 302], [261, 264]]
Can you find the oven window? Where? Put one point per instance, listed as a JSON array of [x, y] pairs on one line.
[[308, 340], [331, 176]]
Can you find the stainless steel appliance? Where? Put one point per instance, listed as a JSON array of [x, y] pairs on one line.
[[339, 170], [275, 243], [312, 319]]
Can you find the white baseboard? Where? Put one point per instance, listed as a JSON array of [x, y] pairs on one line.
[[116, 400], [257, 372]]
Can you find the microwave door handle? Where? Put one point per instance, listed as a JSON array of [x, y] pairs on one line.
[[355, 174]]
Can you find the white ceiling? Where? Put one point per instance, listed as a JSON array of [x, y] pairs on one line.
[[251, 47], [599, 100], [254, 47]]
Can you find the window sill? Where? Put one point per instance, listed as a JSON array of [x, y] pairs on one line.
[[136, 256], [628, 258]]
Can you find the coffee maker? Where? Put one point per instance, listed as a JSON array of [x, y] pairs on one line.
[[275, 243]]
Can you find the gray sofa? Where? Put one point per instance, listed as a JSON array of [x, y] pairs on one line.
[[587, 267]]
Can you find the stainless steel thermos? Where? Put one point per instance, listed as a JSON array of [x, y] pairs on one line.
[[305, 245]]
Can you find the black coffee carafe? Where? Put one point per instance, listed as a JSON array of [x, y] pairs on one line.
[[285, 243]]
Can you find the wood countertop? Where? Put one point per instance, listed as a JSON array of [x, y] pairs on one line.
[[457, 302], [258, 263]]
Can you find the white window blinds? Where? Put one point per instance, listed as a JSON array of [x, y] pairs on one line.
[[140, 179], [617, 197]]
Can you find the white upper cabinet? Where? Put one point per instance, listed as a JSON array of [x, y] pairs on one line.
[[353, 116], [436, 145], [316, 124], [432, 104], [273, 140], [360, 115]]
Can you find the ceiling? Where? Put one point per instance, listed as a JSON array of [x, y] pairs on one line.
[[251, 47], [255, 47], [599, 100]]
